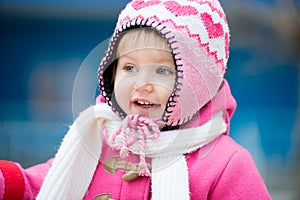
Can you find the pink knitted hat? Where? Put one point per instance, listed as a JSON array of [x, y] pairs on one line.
[[198, 34]]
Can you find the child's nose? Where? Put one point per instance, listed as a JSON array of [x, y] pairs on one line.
[[144, 83], [147, 87]]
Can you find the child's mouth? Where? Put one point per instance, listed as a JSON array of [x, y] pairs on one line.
[[146, 108], [145, 104]]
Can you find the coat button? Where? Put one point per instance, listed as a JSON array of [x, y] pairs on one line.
[[129, 176], [103, 197]]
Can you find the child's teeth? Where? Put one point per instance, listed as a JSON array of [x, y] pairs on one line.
[[144, 103]]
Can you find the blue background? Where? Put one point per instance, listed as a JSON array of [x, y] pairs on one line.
[[44, 44]]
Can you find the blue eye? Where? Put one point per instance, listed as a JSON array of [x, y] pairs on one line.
[[165, 71], [130, 68]]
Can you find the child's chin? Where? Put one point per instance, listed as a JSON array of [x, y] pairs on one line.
[[151, 113]]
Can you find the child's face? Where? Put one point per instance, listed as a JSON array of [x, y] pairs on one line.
[[144, 81]]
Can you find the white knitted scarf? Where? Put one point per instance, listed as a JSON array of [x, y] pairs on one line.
[[78, 156]]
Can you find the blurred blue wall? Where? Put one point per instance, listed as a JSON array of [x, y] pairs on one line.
[[40, 53], [44, 43]]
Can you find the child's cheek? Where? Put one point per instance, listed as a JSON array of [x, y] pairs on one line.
[[123, 90]]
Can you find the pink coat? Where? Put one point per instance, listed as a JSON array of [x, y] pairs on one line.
[[221, 170]]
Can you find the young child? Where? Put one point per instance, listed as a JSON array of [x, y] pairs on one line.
[[163, 131]]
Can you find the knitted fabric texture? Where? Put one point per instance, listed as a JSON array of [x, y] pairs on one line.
[[77, 158], [198, 35]]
